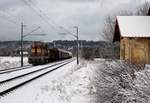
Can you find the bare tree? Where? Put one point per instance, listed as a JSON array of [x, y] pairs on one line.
[[110, 21], [107, 32], [144, 9], [109, 25]]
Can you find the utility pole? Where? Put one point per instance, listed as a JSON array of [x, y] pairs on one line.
[[22, 36], [77, 43], [77, 37], [22, 26], [54, 44]]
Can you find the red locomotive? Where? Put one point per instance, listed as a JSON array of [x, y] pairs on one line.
[[40, 53]]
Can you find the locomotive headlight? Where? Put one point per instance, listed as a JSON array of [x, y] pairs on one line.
[[38, 50], [33, 50]]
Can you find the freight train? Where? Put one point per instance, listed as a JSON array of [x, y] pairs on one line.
[[40, 53]]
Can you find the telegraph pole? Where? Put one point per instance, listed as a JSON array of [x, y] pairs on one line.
[[77, 43], [22, 26]]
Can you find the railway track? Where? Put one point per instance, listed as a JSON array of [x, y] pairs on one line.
[[15, 69], [9, 70], [18, 74], [7, 75], [12, 83]]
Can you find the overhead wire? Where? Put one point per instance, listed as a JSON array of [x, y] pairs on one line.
[[40, 15], [49, 20], [44, 14], [8, 19]]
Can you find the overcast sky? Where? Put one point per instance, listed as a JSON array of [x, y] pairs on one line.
[[51, 15]]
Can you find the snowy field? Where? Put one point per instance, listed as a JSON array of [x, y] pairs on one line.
[[98, 81], [10, 62]]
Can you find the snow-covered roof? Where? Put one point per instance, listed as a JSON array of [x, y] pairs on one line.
[[134, 26]]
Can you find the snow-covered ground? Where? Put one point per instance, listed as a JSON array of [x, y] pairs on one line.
[[119, 81], [98, 81], [10, 62], [69, 84]]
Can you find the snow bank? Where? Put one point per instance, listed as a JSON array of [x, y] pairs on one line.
[[68, 84], [119, 82], [10, 62], [73, 87]]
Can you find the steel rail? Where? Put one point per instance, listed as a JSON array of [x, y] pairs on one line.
[[2, 93]]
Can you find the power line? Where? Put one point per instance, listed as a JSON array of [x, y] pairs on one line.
[[9, 20], [68, 31], [17, 19], [44, 14], [49, 19], [60, 27], [39, 14], [32, 31]]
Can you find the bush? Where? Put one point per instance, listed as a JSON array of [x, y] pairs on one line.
[[117, 82], [87, 53]]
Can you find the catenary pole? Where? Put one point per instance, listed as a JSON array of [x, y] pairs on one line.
[[77, 31], [22, 26], [77, 41]]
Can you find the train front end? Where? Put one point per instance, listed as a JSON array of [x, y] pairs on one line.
[[38, 54]]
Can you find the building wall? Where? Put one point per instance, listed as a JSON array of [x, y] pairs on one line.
[[135, 50]]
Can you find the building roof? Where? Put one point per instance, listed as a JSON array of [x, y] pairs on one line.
[[134, 26]]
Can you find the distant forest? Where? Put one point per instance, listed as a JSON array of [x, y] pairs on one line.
[[91, 49]]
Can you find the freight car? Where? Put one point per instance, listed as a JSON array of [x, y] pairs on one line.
[[40, 53]]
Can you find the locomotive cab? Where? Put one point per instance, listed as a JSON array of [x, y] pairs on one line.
[[38, 53]]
